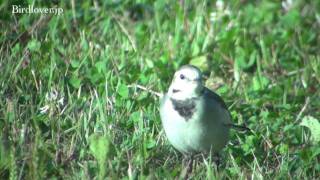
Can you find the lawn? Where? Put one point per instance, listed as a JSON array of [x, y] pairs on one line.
[[71, 106]]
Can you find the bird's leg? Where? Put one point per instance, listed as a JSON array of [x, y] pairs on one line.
[[217, 159], [189, 167], [187, 164]]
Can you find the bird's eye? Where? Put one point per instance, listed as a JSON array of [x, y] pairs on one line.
[[182, 76]]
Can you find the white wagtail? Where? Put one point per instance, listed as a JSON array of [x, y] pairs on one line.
[[194, 118]]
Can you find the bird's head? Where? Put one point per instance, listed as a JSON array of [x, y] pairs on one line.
[[186, 83]]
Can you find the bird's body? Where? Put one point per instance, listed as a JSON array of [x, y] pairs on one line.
[[194, 118]]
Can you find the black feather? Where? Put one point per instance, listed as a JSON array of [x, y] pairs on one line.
[[185, 108]]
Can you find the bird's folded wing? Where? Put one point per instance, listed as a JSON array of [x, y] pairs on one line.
[[219, 100], [212, 95]]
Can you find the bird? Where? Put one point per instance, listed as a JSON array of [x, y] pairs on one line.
[[194, 118]]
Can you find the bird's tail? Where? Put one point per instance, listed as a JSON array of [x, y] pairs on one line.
[[239, 127]]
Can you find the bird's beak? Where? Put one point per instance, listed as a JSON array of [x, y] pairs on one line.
[[175, 90]]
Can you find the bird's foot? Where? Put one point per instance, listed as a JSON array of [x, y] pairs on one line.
[[216, 158], [187, 164]]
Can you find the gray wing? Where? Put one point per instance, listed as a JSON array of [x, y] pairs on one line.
[[216, 97], [220, 101]]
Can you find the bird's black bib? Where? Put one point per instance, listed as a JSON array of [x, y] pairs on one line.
[[185, 108]]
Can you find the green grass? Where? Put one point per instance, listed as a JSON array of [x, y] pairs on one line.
[[69, 107]]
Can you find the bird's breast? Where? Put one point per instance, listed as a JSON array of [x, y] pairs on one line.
[[181, 128]]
